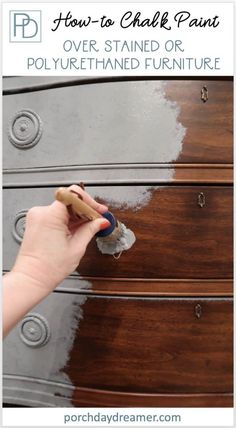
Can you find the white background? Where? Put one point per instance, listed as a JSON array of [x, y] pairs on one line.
[[55, 417]]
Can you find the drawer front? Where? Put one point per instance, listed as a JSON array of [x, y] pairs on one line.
[[127, 345], [149, 121], [181, 232]]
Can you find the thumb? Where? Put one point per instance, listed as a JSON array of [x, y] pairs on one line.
[[86, 232]]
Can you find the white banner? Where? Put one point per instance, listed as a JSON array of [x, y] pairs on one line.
[[113, 417], [165, 39]]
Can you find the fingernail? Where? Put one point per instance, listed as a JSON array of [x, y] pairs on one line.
[[104, 225], [81, 184]]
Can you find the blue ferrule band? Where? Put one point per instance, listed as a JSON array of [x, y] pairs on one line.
[[105, 232]]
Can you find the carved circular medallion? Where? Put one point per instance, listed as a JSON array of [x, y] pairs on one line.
[[25, 129], [34, 330], [19, 225]]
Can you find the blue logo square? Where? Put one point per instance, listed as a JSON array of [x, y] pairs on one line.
[[25, 26]]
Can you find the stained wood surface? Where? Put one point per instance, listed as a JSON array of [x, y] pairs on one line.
[[142, 287], [84, 397], [154, 346], [175, 238], [209, 124], [125, 122]]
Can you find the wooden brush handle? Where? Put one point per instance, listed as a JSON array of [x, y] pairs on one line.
[[67, 197]]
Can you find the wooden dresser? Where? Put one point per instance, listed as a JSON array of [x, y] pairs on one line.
[[154, 327]]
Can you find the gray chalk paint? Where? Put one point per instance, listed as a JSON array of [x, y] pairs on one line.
[[105, 123], [63, 313], [125, 198], [164, 144]]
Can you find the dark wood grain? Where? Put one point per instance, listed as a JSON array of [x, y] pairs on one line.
[[210, 124], [175, 237], [154, 346], [151, 287], [200, 173], [84, 397]]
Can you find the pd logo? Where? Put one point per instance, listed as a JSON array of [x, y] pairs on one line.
[[25, 26]]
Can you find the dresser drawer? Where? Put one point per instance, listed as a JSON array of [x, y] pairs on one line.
[[118, 122], [121, 345], [181, 232]]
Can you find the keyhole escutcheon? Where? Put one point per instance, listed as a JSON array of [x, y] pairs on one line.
[[198, 311], [204, 94], [201, 199]]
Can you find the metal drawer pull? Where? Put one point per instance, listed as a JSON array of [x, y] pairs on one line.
[[204, 94], [198, 311], [201, 200]]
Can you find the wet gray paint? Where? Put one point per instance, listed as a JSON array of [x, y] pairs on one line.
[[125, 198], [123, 242]]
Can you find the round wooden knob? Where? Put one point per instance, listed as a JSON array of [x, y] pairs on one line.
[[19, 225], [34, 330], [25, 129]]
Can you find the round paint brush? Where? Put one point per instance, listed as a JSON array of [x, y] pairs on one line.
[[112, 240]]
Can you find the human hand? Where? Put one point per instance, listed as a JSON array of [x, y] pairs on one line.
[[54, 241]]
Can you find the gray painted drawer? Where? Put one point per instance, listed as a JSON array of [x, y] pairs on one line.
[[168, 223], [118, 122], [36, 352], [16, 202]]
